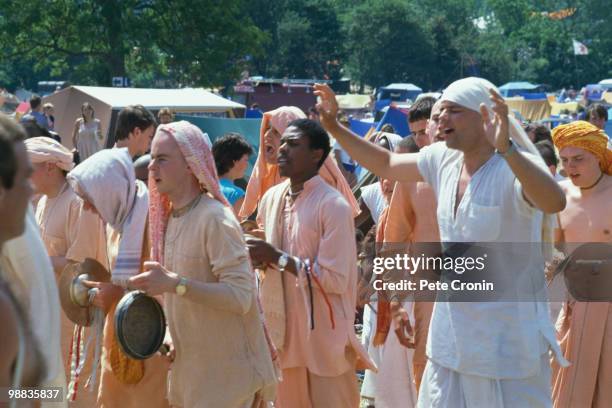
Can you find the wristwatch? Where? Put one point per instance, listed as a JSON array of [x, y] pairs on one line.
[[181, 287], [283, 260]]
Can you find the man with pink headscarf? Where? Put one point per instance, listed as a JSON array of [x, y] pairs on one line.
[[266, 173], [69, 233], [201, 265]]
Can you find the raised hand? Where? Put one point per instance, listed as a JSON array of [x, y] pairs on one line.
[[496, 127], [327, 105]]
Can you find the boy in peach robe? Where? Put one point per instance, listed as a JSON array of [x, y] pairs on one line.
[[107, 184], [201, 266], [412, 219], [307, 224], [584, 329], [69, 233]]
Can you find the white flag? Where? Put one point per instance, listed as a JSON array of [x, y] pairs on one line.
[[580, 48]]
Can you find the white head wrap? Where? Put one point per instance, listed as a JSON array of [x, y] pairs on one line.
[[107, 180], [471, 92]]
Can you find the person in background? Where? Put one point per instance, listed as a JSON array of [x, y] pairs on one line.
[[87, 136], [36, 112], [418, 118], [164, 116], [135, 129], [597, 115], [538, 133], [232, 154], [48, 110], [547, 151]]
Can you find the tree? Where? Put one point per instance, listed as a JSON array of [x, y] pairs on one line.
[[386, 43], [206, 42], [197, 42]]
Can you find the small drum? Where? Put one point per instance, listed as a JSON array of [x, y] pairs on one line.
[[588, 272], [74, 295], [140, 325]]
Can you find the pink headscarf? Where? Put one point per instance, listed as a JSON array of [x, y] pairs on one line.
[[199, 158], [46, 150], [266, 175]]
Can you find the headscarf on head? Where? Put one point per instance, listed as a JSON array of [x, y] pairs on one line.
[[196, 151], [107, 180], [585, 136], [470, 93], [266, 175], [46, 150]]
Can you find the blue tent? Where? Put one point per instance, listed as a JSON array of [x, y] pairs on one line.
[[398, 93], [361, 127], [396, 118], [517, 88]]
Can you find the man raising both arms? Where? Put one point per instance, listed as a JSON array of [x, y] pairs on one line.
[[487, 191]]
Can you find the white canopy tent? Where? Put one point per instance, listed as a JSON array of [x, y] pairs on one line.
[[107, 102]]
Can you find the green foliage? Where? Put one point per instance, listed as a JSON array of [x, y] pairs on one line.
[[199, 42], [387, 44], [211, 42]]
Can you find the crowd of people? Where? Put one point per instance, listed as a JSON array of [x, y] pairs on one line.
[[261, 284]]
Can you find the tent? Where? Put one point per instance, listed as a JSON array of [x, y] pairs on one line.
[[397, 92], [606, 83], [107, 102], [531, 110], [353, 101], [517, 88]]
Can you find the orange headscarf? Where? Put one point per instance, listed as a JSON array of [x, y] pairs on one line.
[[585, 136], [266, 175]]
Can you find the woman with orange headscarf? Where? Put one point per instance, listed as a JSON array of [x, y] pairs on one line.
[[265, 173]]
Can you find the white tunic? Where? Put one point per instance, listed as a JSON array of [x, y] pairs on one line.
[[501, 340]]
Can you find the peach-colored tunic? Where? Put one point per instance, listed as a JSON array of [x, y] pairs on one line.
[[150, 391], [584, 329], [318, 226], [412, 218], [222, 357], [69, 231]]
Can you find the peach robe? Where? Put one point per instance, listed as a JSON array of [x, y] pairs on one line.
[[319, 227], [69, 231], [412, 218], [222, 357], [150, 391]]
